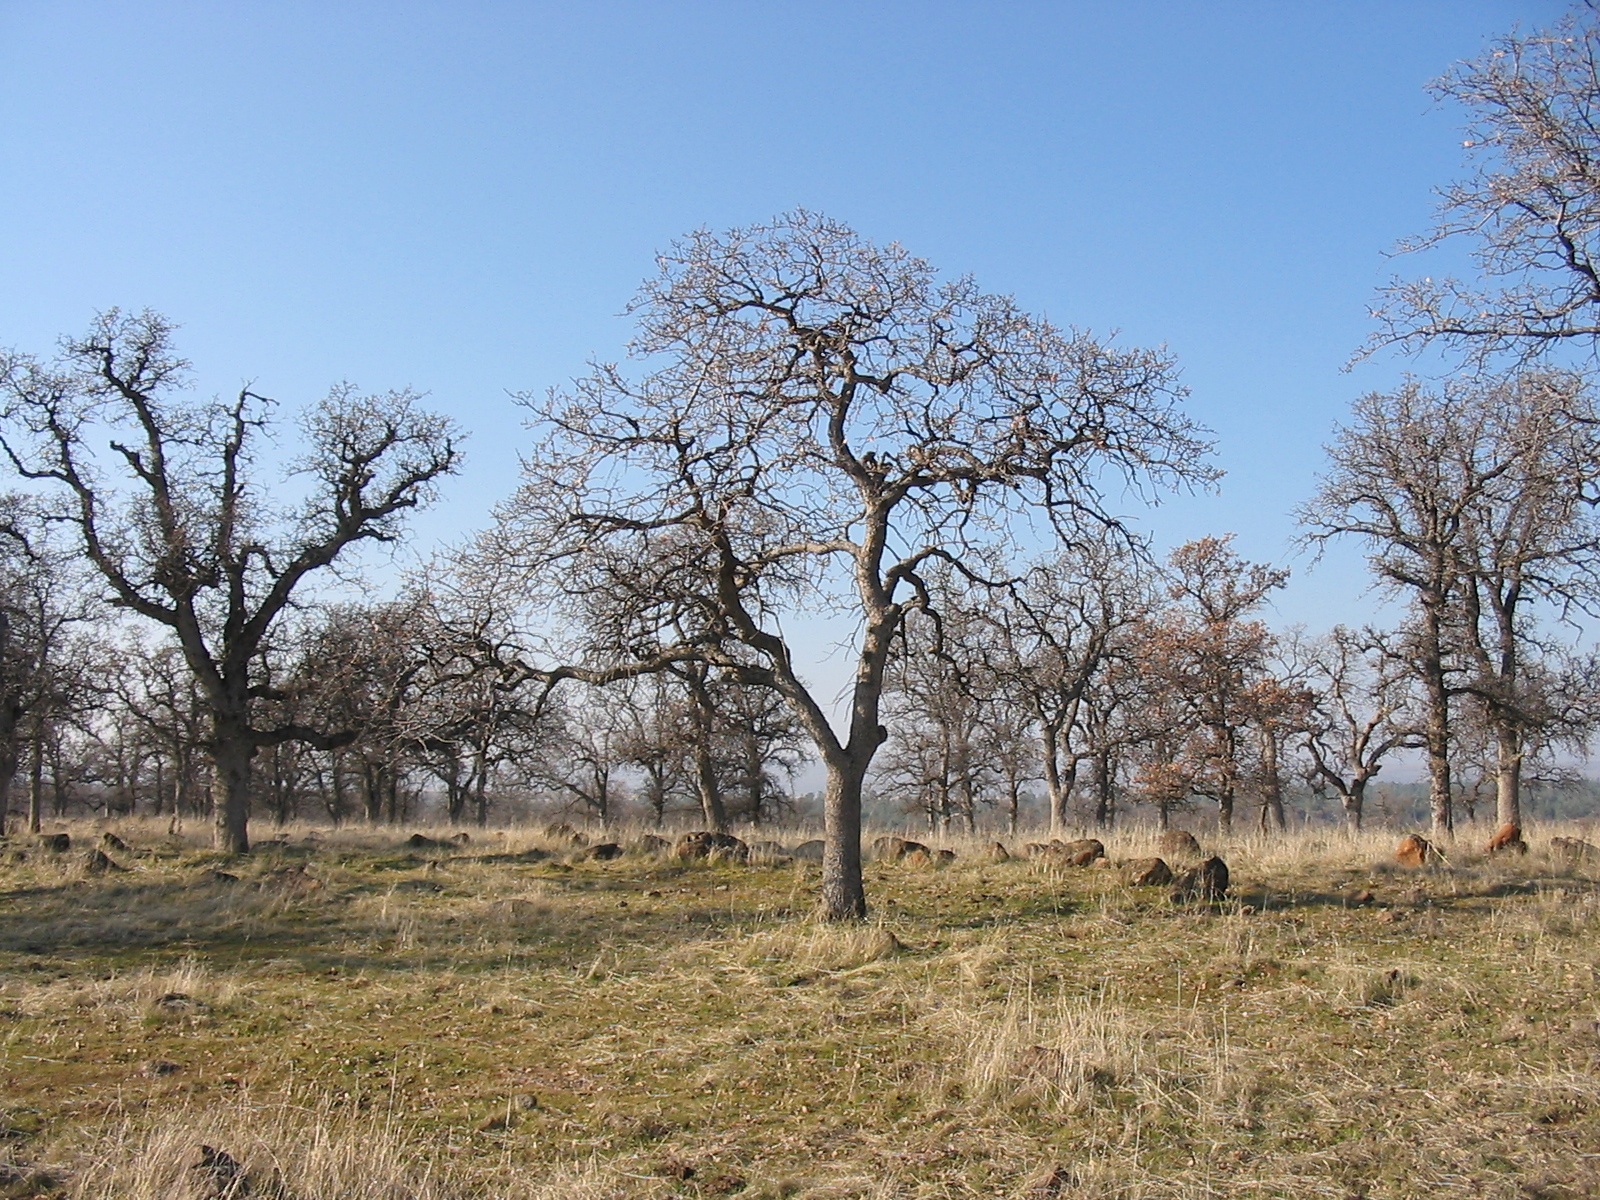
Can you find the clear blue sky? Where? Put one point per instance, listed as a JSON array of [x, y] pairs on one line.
[[462, 197]]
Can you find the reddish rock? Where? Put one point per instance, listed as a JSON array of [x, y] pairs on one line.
[[1148, 872], [897, 849], [1414, 851], [1508, 838], [705, 844], [1074, 854], [1208, 881], [1179, 843]]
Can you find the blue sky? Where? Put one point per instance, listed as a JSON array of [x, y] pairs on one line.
[[463, 197]]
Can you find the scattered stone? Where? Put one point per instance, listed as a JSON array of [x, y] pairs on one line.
[[1052, 1183], [560, 831], [895, 849], [1074, 854], [997, 852], [1415, 851], [222, 1177], [768, 851], [1148, 872], [111, 841], [156, 1068], [601, 852], [716, 846], [97, 862], [808, 851], [56, 843], [1508, 838], [1208, 881], [1573, 849], [1179, 843]]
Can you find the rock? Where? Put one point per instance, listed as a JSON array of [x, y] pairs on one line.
[[111, 841], [419, 841], [1148, 872], [600, 852], [895, 849], [1573, 849], [1208, 881], [1074, 854], [808, 851], [560, 831], [717, 846], [997, 852], [1052, 1183], [221, 1176], [56, 843], [649, 843], [1034, 849], [1414, 851], [1508, 838], [768, 851], [1179, 843], [96, 862]]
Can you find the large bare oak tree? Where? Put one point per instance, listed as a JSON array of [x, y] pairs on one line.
[[162, 491], [808, 422]]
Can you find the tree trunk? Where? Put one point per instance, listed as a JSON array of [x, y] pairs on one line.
[[1104, 802], [1355, 802], [844, 897], [1055, 788], [1508, 776], [1272, 790], [36, 786], [1436, 734], [232, 754], [480, 788]]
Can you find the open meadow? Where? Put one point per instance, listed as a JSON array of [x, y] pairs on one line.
[[345, 1015]]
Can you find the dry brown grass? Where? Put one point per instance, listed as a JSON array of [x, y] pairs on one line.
[[352, 1018]]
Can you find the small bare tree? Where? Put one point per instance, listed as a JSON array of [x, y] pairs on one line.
[[1363, 711], [168, 513], [816, 420]]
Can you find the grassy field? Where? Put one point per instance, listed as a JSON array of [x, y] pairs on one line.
[[351, 1017]]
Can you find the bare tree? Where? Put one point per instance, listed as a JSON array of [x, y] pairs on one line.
[[1471, 501], [1058, 631], [816, 420], [1362, 713], [185, 537], [1401, 478], [1531, 207], [1215, 654], [1529, 539]]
